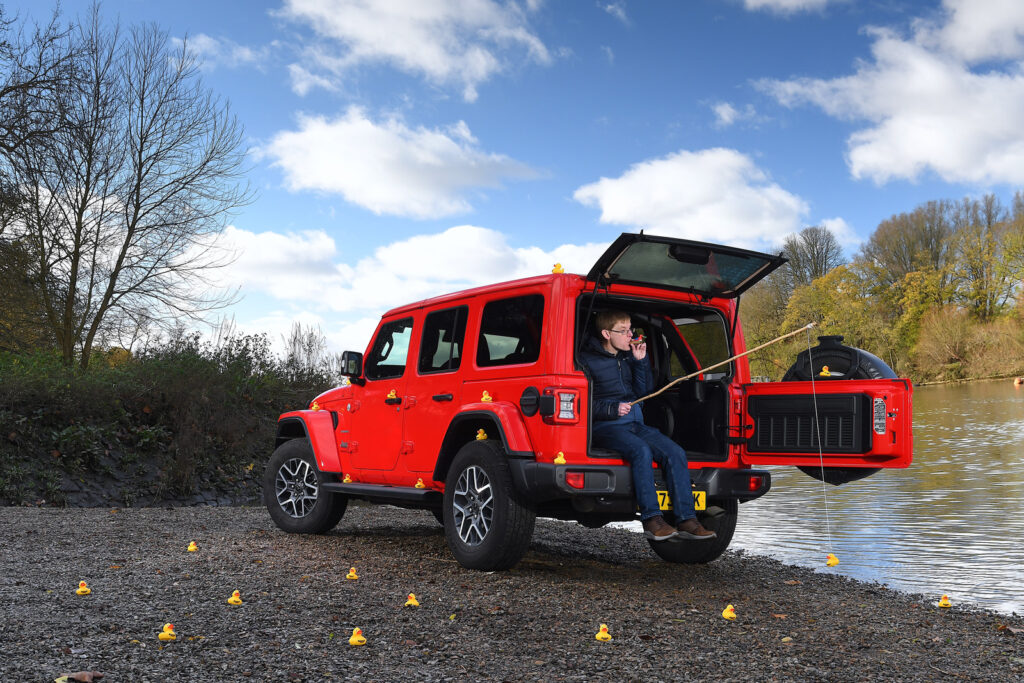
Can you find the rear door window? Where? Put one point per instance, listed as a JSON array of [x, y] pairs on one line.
[[510, 331], [441, 345]]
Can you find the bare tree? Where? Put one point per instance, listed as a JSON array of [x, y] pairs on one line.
[[127, 198], [812, 253], [35, 65]]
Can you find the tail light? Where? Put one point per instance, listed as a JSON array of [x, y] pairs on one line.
[[566, 408], [755, 482], [574, 479]]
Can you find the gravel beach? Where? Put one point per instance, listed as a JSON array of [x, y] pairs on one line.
[[535, 622]]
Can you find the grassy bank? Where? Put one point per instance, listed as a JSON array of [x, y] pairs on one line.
[[188, 421]]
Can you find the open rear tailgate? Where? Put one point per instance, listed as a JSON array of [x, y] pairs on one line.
[[862, 423]]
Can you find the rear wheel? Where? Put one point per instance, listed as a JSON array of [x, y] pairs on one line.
[[487, 523], [293, 493], [702, 552]]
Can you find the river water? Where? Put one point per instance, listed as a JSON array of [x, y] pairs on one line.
[[952, 523]]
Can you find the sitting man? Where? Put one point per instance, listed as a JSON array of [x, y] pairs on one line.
[[620, 373]]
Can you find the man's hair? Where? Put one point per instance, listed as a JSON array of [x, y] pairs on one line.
[[605, 320]]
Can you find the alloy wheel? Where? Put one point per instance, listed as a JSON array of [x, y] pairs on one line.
[[473, 505], [296, 487]]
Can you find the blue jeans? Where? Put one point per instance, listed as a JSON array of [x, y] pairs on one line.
[[641, 445]]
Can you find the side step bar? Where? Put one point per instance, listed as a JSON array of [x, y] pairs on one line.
[[396, 495]]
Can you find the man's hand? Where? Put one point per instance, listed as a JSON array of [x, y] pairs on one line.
[[639, 350], [624, 409]]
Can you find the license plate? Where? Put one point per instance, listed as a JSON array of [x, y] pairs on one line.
[[699, 500]]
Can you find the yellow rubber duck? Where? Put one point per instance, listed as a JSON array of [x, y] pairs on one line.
[[944, 601], [315, 406], [420, 484], [192, 547], [235, 599], [357, 637], [412, 601], [167, 633], [824, 372], [486, 398], [831, 560], [602, 634], [481, 435], [346, 480], [729, 613], [392, 394], [352, 574], [83, 589], [558, 269], [560, 458]]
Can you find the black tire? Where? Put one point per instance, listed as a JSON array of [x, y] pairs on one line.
[[702, 552], [293, 493], [487, 522]]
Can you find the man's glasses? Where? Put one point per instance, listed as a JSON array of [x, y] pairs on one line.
[[626, 331]]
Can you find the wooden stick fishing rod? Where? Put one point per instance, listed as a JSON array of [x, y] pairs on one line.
[[724, 362]]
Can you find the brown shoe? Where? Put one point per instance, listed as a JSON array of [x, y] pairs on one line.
[[657, 529], [692, 530]]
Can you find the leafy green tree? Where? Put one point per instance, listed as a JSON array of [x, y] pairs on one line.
[[987, 268]]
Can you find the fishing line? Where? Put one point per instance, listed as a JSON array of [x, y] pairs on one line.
[[821, 454]]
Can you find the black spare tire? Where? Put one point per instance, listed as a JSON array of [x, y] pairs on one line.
[[843, 363]]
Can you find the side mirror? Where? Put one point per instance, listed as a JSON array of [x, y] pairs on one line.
[[352, 365]]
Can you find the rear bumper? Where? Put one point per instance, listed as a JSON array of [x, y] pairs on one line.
[[611, 485]]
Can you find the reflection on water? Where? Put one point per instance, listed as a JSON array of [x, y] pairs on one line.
[[951, 523]]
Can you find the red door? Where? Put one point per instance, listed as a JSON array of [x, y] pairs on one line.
[[434, 387], [860, 424], [377, 413]]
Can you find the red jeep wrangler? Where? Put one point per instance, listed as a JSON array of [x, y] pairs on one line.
[[474, 406]]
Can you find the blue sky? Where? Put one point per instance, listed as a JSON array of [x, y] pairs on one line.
[[406, 148]]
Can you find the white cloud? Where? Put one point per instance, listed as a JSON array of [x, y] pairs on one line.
[[616, 9], [460, 44], [926, 108], [786, 6], [215, 52], [977, 30], [303, 81], [307, 276], [388, 167], [608, 53], [844, 234], [726, 114], [712, 195]]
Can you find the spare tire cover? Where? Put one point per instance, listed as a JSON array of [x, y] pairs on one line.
[[844, 362]]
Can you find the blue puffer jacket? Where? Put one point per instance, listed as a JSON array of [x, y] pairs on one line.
[[615, 378]]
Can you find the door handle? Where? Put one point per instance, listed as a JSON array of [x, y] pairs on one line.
[[393, 401], [442, 397]]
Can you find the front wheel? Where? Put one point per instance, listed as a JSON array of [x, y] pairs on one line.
[[702, 552], [487, 523], [293, 493]]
